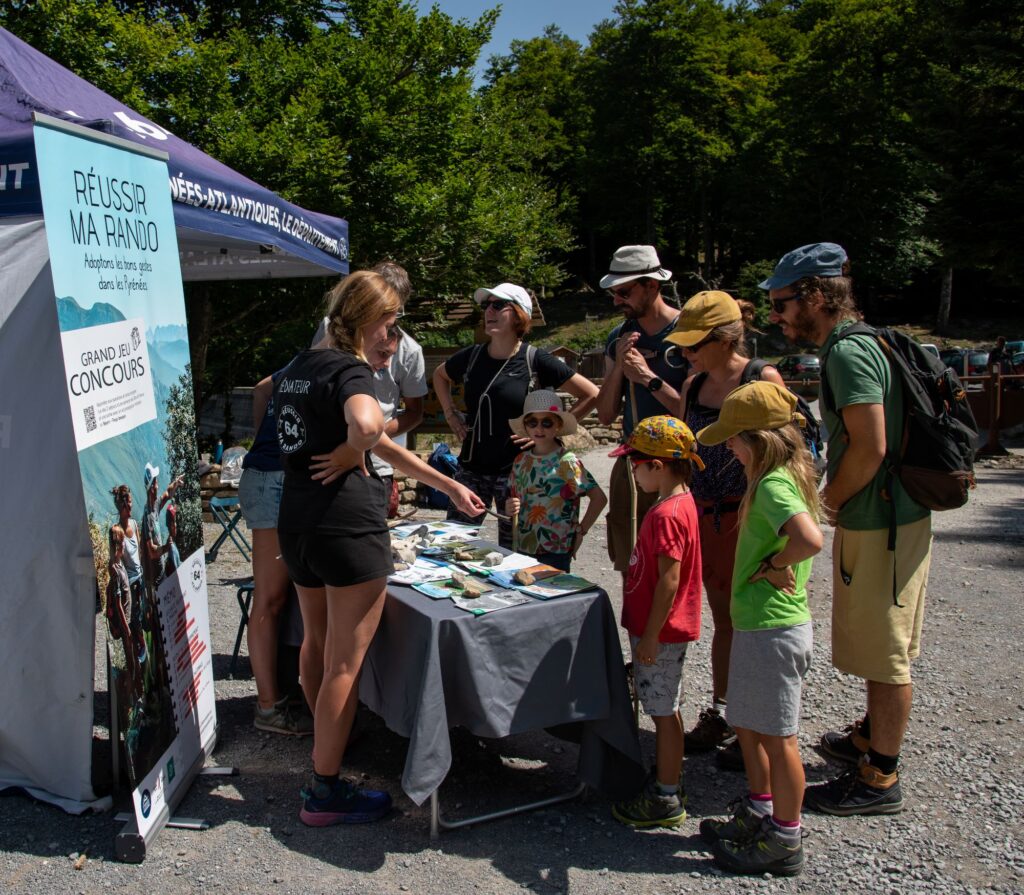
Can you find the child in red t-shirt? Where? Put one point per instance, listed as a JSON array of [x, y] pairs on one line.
[[661, 606]]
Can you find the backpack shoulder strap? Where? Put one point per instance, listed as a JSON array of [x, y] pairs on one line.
[[474, 354], [693, 392], [755, 366], [858, 328]]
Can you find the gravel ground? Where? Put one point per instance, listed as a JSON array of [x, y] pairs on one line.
[[962, 831]]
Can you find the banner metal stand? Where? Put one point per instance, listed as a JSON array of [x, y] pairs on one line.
[[130, 845]]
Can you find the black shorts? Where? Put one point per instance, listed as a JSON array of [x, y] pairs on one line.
[[315, 559]]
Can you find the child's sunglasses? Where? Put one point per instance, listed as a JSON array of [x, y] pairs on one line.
[[532, 422]]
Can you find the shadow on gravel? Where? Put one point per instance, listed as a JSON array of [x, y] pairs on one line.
[[538, 848], [1005, 522]]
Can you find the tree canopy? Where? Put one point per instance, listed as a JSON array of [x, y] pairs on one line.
[[723, 132]]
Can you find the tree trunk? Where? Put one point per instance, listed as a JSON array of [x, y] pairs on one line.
[[945, 300], [199, 308]]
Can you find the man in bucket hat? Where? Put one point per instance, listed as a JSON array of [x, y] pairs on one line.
[[642, 377], [878, 594]]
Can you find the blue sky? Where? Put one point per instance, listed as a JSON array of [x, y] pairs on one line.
[[523, 19]]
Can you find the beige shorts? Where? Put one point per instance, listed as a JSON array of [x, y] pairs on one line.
[[620, 546], [872, 636]]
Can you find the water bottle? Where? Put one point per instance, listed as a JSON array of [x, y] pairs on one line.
[[219, 452]]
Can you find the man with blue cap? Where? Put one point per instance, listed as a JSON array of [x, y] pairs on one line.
[[878, 592]]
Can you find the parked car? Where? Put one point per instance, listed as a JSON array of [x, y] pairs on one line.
[[928, 346], [805, 367], [799, 366], [953, 357], [976, 360]]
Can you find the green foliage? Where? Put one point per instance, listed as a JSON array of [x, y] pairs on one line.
[[722, 132], [183, 457]]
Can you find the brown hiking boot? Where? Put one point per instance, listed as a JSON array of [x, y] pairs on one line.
[[710, 731], [849, 746]]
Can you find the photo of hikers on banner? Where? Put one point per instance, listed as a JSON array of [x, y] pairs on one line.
[[139, 560]]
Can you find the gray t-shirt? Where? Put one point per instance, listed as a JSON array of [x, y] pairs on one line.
[[404, 377]]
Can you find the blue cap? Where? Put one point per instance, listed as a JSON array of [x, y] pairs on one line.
[[819, 259]]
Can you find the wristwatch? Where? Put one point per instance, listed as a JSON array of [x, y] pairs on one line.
[[654, 385]]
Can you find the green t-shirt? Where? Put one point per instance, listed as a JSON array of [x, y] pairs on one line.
[[759, 605], [859, 373]]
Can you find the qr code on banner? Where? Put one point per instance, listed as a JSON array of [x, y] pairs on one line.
[[90, 418]]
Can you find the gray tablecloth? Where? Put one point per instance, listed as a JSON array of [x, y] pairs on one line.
[[540, 665]]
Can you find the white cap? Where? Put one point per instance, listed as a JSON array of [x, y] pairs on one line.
[[508, 291]]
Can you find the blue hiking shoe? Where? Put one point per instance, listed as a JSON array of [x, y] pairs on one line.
[[342, 803]]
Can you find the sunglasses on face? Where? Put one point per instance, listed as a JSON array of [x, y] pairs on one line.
[[624, 292], [693, 349], [532, 422], [499, 304], [779, 304]]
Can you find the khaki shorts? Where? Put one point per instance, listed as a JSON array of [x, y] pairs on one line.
[[872, 637], [620, 546]]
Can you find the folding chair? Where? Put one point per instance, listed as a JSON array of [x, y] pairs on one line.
[[227, 512], [244, 597]]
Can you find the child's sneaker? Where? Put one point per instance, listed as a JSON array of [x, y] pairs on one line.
[[281, 718], [711, 730], [765, 851], [742, 823], [651, 808], [342, 803]]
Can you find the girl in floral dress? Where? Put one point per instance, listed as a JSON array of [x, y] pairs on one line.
[[547, 484]]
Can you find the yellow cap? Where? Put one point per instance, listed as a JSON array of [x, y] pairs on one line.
[[701, 314], [756, 405], [661, 436]]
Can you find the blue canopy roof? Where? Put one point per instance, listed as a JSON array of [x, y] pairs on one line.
[[229, 227]]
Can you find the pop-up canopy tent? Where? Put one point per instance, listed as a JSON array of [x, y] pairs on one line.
[[228, 228]]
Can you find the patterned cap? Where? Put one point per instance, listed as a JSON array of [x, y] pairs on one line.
[[661, 436]]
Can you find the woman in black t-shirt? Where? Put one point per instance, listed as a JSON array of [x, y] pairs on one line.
[[332, 527], [497, 377]]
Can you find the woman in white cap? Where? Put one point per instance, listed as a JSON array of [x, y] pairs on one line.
[[712, 333], [497, 376]]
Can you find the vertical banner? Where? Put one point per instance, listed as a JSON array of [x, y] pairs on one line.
[[117, 280]]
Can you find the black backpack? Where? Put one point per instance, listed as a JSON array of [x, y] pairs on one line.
[[935, 459], [752, 371]]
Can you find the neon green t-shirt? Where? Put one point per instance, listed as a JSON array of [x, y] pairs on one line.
[[759, 605]]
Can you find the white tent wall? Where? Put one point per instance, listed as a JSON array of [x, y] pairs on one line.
[[47, 583]]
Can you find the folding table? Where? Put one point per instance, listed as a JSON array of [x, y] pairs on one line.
[[433, 666]]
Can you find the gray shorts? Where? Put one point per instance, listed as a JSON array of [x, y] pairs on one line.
[[259, 497], [660, 686], [766, 673]]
